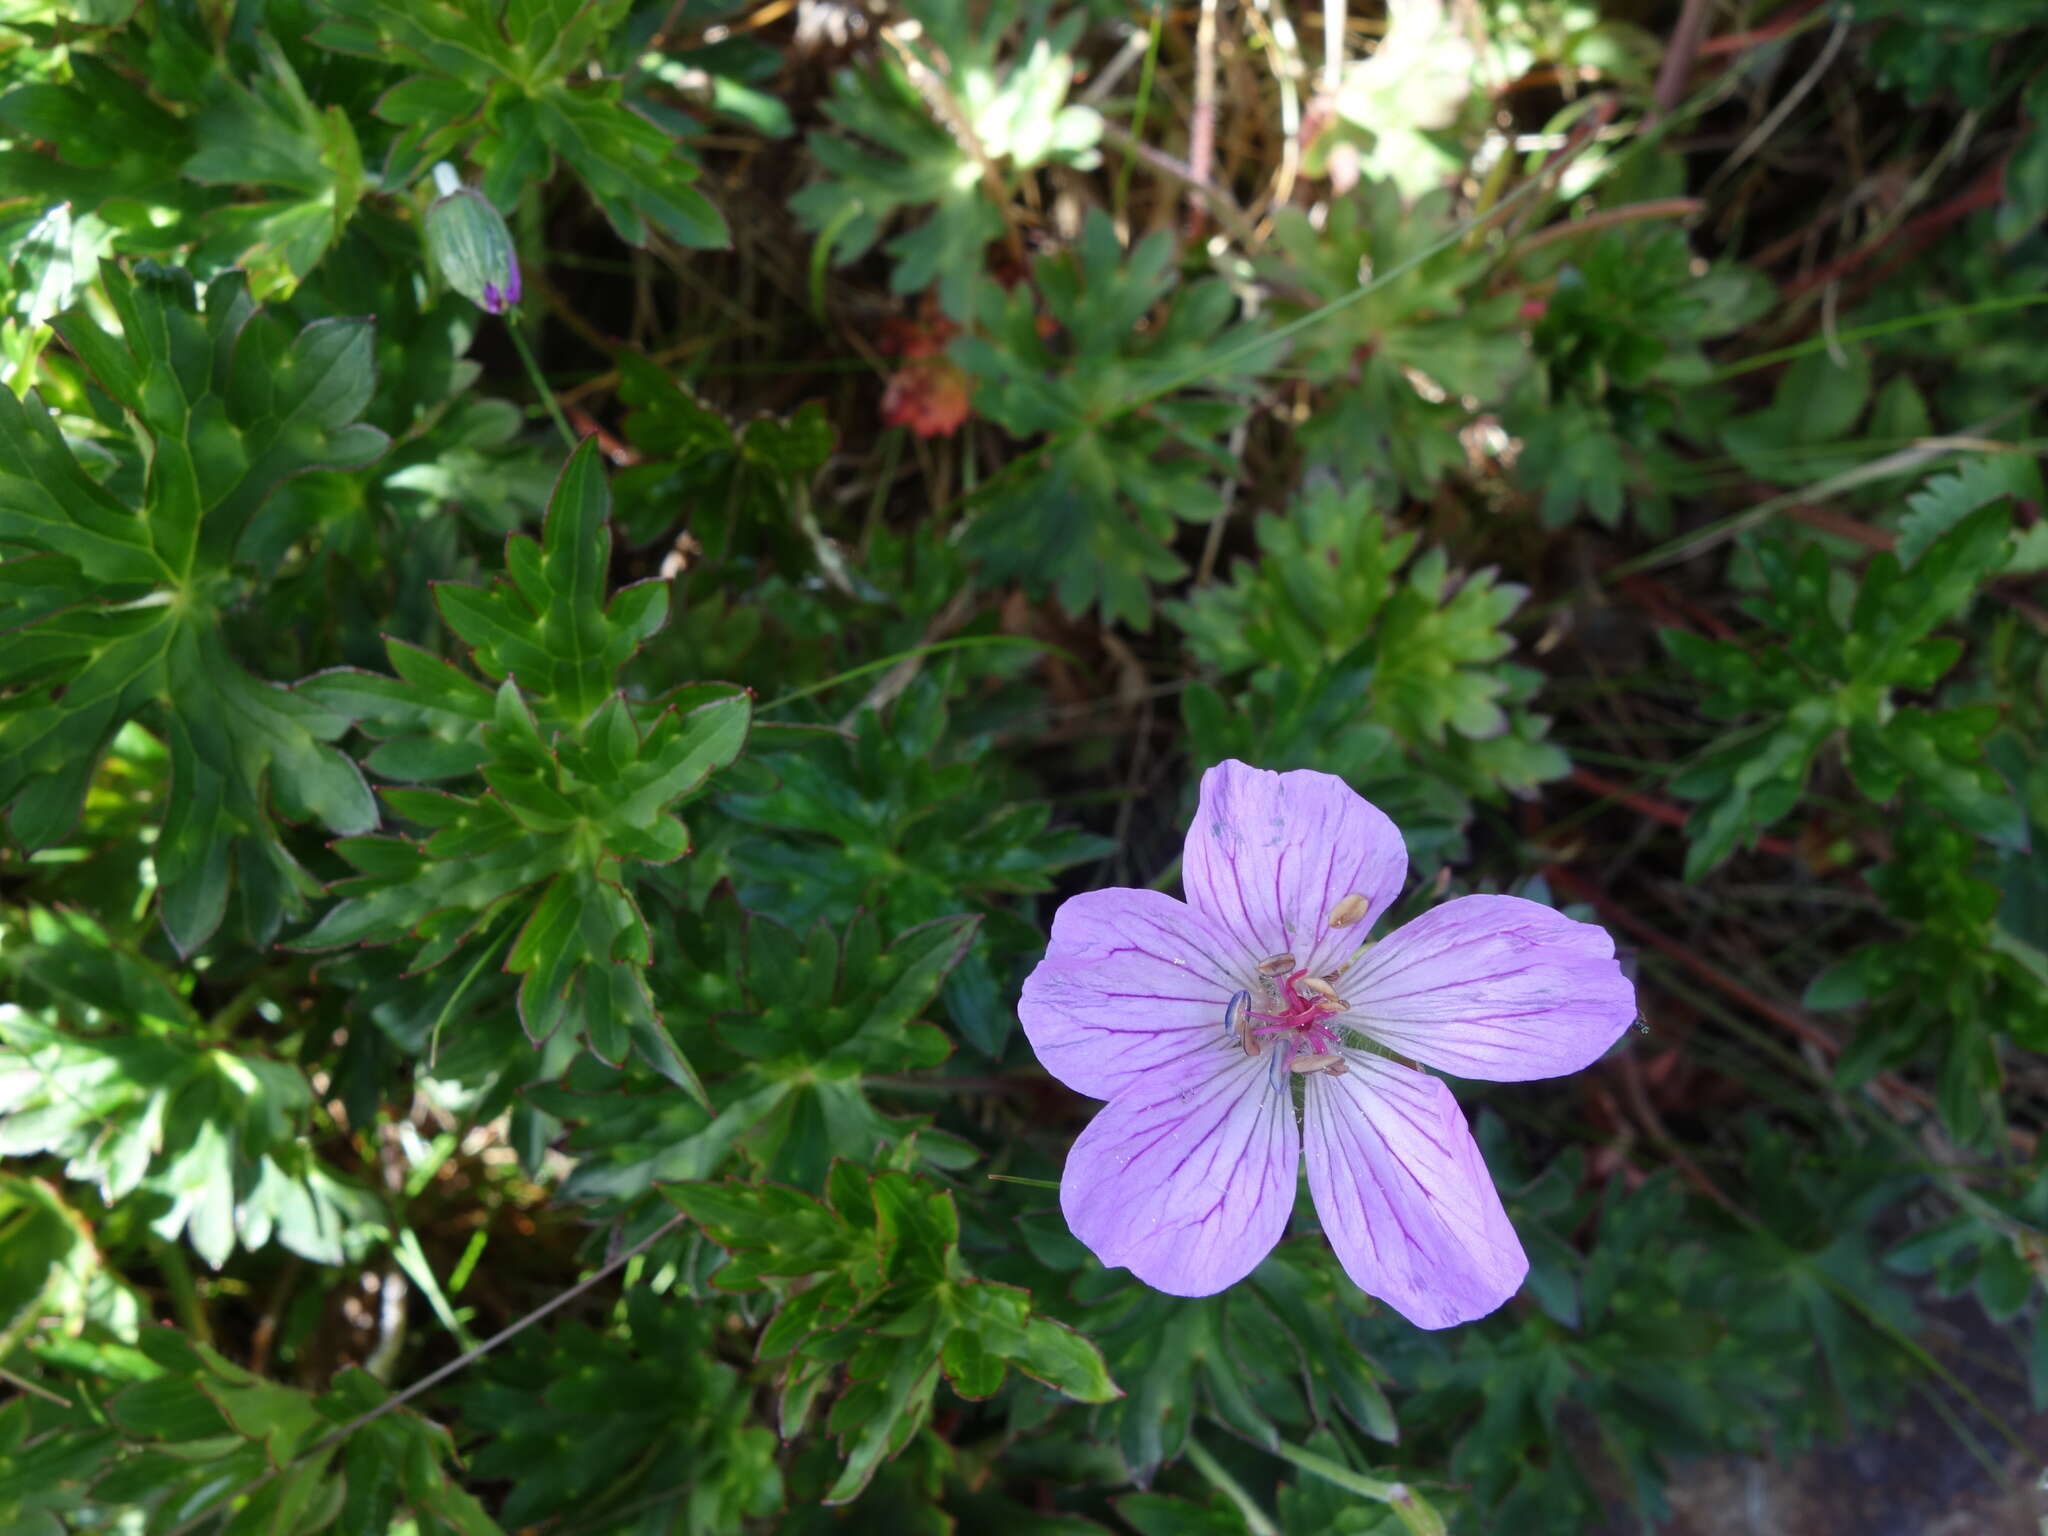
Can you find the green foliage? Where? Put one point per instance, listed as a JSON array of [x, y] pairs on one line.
[[496, 77], [891, 822], [118, 615], [1989, 1249], [1357, 657], [1090, 515], [746, 487], [1665, 1349], [1949, 986], [1807, 430], [1267, 1360], [1415, 394], [1621, 326], [925, 126], [871, 1279], [676, 1446], [802, 1019], [582, 785], [1419, 341], [266, 132], [1929, 50], [1839, 655], [210, 1142], [46, 1261], [173, 1436]]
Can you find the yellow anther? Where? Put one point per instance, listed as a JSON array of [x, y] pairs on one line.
[[1349, 910], [1273, 965], [1315, 1061], [1322, 989]]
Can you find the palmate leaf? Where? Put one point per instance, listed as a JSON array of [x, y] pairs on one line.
[[745, 487], [268, 133], [1825, 680], [1435, 319], [892, 823], [94, 140], [1269, 1358], [1091, 515], [1328, 580], [1346, 652], [893, 153], [214, 1140], [871, 1279], [581, 785], [114, 614], [1946, 986], [172, 1434], [680, 1441], [801, 1021], [495, 73]]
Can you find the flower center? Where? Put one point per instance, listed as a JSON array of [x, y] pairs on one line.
[[1296, 1016]]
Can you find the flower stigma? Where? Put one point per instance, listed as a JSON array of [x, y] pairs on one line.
[[1308, 1002]]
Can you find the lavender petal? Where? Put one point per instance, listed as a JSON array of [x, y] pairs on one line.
[[1271, 855], [1187, 1178], [1404, 1196], [1132, 981], [1493, 987]]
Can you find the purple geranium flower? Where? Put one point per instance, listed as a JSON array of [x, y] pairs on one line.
[[1196, 1020]]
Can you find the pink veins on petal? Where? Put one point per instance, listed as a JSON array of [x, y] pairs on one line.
[[1188, 1174]]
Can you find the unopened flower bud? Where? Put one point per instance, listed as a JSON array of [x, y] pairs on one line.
[[469, 243]]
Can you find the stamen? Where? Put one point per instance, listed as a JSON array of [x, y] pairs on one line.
[[1301, 1006], [1349, 910], [1273, 965], [1324, 990], [1315, 1061], [1233, 1025]]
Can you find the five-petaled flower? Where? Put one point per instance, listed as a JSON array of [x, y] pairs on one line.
[[1200, 1021]]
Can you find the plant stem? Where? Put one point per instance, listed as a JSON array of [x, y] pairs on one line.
[[1414, 1511], [540, 383], [1255, 1518], [191, 1311]]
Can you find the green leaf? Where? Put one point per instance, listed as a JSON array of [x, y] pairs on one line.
[[872, 1280], [497, 77], [582, 786], [745, 487], [269, 133], [807, 1017], [1433, 320], [214, 1139], [1947, 499], [1091, 517], [635, 171], [117, 614], [203, 1439], [1276, 1350], [1830, 676], [902, 127], [46, 1260], [672, 1408], [1807, 431]]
